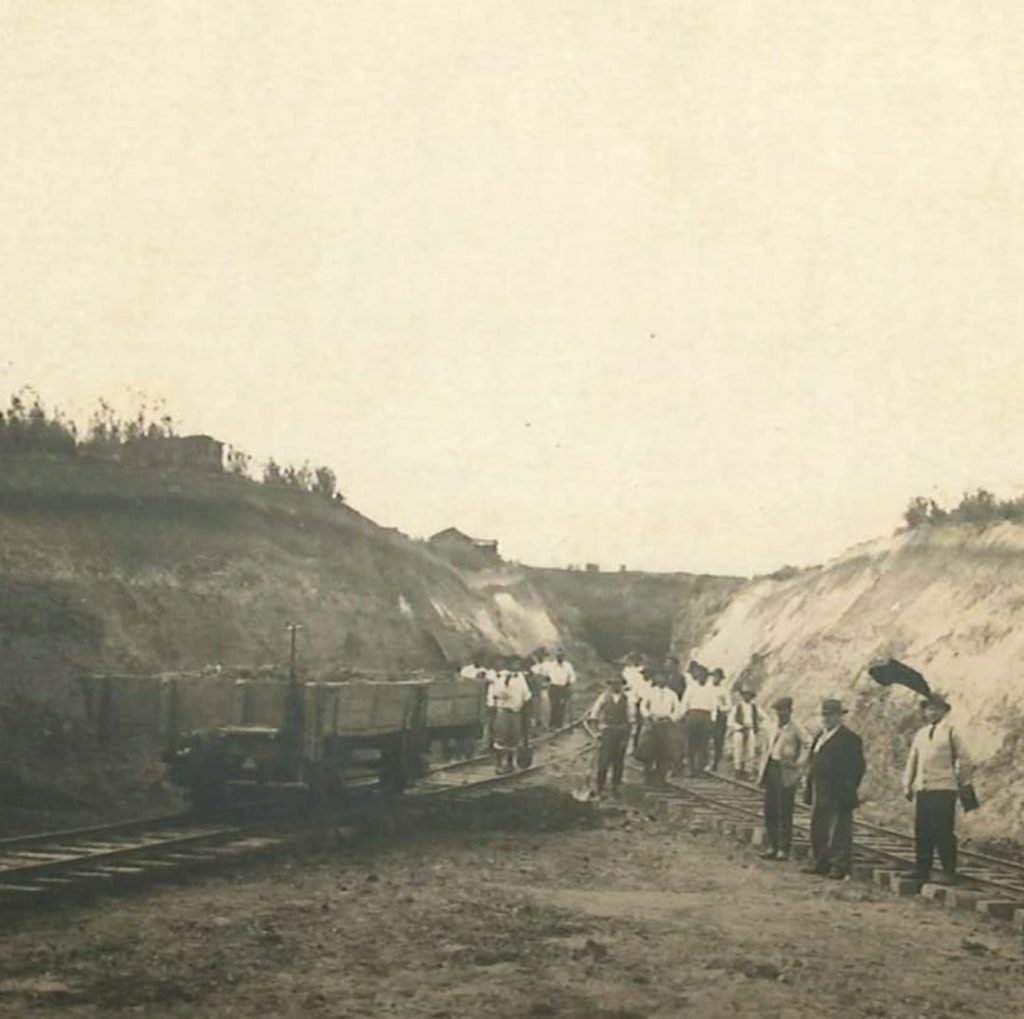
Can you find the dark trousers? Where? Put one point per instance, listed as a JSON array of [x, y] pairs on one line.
[[718, 728], [832, 837], [934, 820], [698, 731], [611, 755], [779, 803], [559, 702]]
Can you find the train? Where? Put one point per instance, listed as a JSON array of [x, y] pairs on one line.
[[224, 739]]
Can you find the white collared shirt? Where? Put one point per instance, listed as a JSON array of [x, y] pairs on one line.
[[509, 690], [661, 703], [560, 673], [698, 697]]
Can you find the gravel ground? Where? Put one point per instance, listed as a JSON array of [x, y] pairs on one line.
[[515, 904]]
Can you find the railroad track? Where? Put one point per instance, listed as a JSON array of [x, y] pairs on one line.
[[38, 868], [989, 884]]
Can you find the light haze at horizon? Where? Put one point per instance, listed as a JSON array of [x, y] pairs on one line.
[[678, 286]]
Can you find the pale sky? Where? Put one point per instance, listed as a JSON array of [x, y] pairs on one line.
[[689, 284]]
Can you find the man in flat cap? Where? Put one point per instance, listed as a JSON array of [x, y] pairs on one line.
[[834, 775], [779, 775], [937, 767]]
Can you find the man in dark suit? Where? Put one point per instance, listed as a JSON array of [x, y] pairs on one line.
[[834, 775]]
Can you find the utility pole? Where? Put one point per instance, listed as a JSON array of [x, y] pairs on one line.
[[293, 629], [294, 715]]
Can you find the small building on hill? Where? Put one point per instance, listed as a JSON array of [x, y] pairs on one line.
[[198, 452], [464, 551]]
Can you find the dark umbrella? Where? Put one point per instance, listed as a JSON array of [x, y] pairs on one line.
[[892, 672]]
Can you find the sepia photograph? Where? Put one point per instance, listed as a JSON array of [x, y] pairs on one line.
[[510, 509]]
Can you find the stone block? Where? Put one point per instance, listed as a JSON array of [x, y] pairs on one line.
[[998, 909], [963, 898], [936, 893], [757, 838], [1018, 921]]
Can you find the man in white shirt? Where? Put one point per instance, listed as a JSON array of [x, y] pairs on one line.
[[636, 687], [779, 776], [746, 732], [508, 696], [659, 710], [561, 677], [938, 765], [700, 701], [540, 709]]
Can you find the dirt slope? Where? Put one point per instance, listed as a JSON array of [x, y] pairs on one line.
[[947, 601]]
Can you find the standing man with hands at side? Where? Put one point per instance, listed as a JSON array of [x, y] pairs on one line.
[[834, 775], [779, 776], [937, 768]]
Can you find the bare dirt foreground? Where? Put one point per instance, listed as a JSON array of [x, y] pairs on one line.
[[519, 904]]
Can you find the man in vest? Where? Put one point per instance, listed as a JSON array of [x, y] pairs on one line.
[[778, 777], [834, 775], [610, 716], [936, 768], [746, 731]]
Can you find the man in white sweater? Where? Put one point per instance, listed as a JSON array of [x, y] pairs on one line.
[[936, 768]]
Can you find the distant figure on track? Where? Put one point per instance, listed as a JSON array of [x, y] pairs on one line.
[[609, 720], [937, 767], [561, 678], [538, 680], [509, 697], [720, 719], [700, 701], [779, 776], [834, 775], [637, 687], [660, 711], [746, 731]]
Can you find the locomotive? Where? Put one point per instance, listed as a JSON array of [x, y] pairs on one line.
[[224, 739]]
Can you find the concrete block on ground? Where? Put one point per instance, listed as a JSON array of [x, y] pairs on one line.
[[757, 838], [963, 898], [883, 876], [998, 909], [901, 884], [1018, 921], [936, 893]]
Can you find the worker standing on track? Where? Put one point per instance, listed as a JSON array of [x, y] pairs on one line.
[[779, 776], [937, 767], [660, 710], [509, 697], [538, 680], [720, 720], [834, 775], [699, 703], [611, 716], [636, 687], [561, 678], [746, 731]]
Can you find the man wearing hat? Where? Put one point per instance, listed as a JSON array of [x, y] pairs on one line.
[[779, 775], [834, 775], [937, 767], [609, 721]]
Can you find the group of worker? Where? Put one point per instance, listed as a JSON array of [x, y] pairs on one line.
[[683, 719], [832, 764], [523, 694]]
